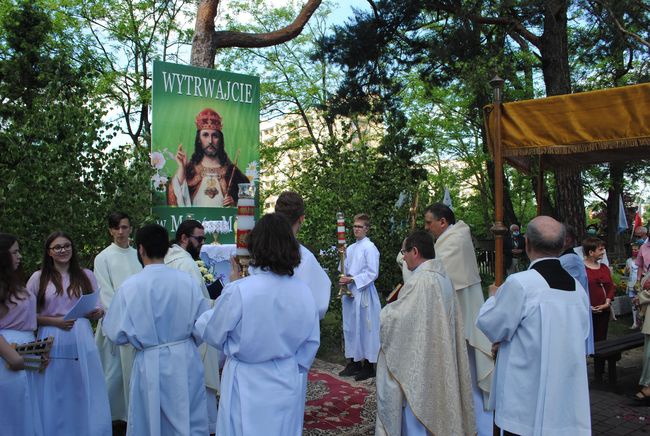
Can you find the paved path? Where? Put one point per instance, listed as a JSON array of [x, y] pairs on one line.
[[613, 411]]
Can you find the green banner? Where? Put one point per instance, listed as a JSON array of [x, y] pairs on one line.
[[205, 141]]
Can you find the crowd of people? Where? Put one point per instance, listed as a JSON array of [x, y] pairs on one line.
[[168, 360], [162, 351]]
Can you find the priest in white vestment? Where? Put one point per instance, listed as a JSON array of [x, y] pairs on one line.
[[182, 256], [423, 381], [155, 311], [267, 326], [291, 205], [113, 265], [361, 311], [455, 249], [540, 317]]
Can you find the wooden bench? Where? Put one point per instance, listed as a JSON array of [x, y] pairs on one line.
[[610, 351]]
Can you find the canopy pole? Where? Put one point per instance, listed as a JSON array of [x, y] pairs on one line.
[[540, 185], [498, 229]]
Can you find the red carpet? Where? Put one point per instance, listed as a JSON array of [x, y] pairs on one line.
[[337, 405]]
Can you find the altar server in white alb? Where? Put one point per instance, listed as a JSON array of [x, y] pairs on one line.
[[291, 205], [113, 265], [423, 382], [540, 318], [267, 326], [155, 310], [361, 312], [454, 248], [182, 255]]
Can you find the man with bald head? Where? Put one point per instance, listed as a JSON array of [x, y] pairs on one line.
[[540, 318]]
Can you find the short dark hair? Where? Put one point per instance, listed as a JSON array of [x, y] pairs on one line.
[[273, 246], [591, 244], [114, 219], [570, 232], [153, 238], [423, 241], [291, 205], [187, 228], [362, 217], [439, 211]]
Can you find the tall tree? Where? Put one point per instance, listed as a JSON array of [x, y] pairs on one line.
[[338, 163], [450, 33], [55, 163], [128, 35], [207, 40]]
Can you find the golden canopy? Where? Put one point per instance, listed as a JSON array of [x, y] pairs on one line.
[[575, 129]]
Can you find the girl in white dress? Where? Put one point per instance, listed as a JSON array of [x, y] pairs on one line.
[[19, 414], [72, 391]]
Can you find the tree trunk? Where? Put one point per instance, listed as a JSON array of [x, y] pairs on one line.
[[203, 43], [547, 205], [554, 48], [614, 241], [569, 200]]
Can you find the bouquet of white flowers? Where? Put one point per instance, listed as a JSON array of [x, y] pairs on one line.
[[205, 272]]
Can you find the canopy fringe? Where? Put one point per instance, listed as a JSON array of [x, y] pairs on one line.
[[576, 148]]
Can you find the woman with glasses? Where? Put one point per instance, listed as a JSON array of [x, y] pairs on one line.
[[72, 391], [19, 414]]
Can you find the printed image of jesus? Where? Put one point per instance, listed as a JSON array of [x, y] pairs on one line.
[[209, 178]]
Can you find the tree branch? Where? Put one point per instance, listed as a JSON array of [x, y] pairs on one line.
[[513, 23], [620, 27], [227, 39], [207, 41]]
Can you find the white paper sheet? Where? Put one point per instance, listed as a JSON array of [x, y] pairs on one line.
[[87, 303]]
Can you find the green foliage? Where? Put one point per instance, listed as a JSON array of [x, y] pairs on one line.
[[56, 165], [127, 36]]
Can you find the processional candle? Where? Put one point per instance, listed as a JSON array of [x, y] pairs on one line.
[[245, 217], [340, 229], [340, 236]]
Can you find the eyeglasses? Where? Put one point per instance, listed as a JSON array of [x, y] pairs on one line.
[[61, 248], [405, 250], [199, 239]]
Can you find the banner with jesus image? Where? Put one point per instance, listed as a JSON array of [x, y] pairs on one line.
[[205, 142]]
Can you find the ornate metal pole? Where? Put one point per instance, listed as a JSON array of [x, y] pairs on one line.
[[540, 185], [340, 236], [498, 229]]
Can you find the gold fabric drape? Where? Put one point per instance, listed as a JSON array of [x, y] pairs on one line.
[[588, 122]]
